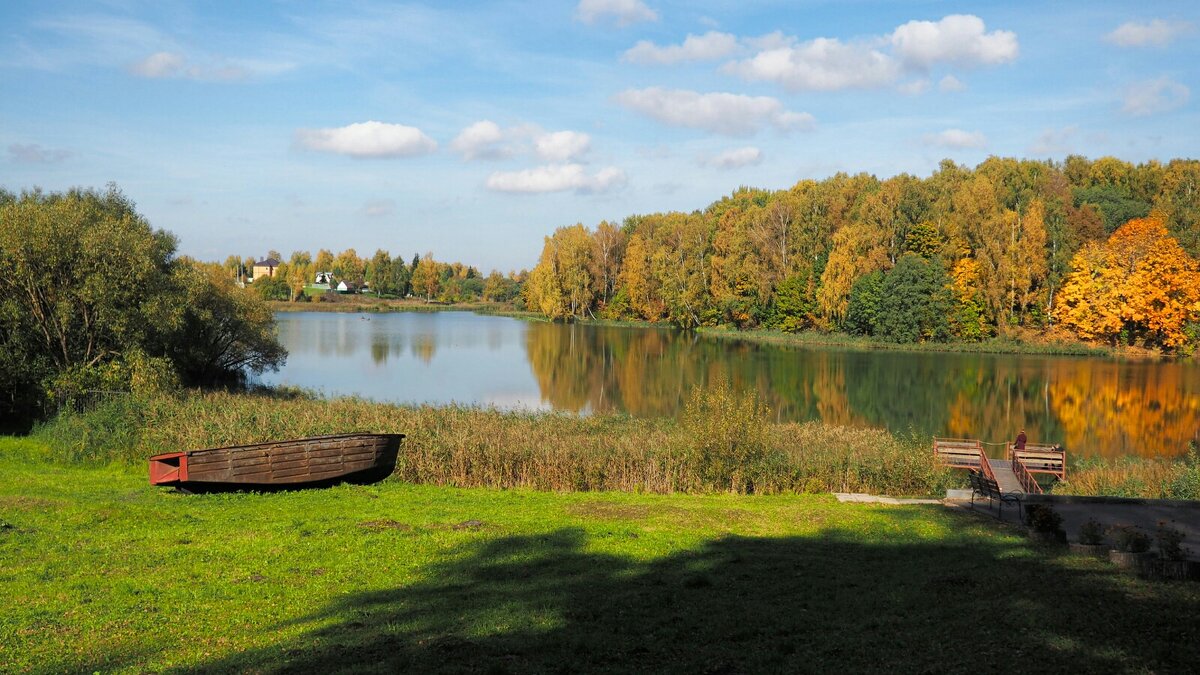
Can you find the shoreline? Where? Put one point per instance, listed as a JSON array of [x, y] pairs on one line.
[[808, 338]]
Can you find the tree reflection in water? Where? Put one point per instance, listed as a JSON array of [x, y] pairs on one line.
[[1090, 406]]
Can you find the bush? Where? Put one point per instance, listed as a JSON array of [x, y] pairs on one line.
[[1091, 533], [1043, 518], [723, 435], [1130, 539], [1170, 542]]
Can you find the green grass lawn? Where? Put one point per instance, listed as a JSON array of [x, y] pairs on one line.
[[101, 572]]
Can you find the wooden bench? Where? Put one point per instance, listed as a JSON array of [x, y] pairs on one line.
[[983, 486], [961, 453]]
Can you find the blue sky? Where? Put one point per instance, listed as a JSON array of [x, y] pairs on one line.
[[474, 129]]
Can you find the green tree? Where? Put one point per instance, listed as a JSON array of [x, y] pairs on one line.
[[88, 289], [862, 307], [913, 301], [216, 331], [379, 273]]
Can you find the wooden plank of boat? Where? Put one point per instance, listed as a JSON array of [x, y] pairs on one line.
[[319, 460]]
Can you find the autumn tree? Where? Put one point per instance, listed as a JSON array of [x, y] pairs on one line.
[[638, 280], [608, 243], [323, 261], [1139, 286], [858, 249], [561, 285], [426, 280]]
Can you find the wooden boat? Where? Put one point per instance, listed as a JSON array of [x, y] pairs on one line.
[[303, 462]]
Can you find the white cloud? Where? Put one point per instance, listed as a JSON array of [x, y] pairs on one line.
[[482, 140], [1054, 141], [708, 47], [159, 65], [165, 65], [1154, 96], [736, 158], [959, 39], [957, 139], [823, 64], [623, 12], [775, 40], [914, 87], [368, 139], [951, 83], [556, 178], [32, 153], [561, 146], [721, 113], [379, 208], [1157, 33], [487, 140], [829, 64]]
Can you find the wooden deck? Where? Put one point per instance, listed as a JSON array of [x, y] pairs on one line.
[[1013, 475]]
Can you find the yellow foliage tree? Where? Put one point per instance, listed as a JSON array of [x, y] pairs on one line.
[[1140, 284]]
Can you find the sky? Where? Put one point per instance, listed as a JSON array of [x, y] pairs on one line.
[[471, 130]]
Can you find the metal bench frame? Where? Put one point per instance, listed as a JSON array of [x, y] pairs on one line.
[[983, 486]]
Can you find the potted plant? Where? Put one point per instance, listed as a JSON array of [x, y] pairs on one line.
[[1045, 524], [1173, 562], [1132, 548], [1091, 540]]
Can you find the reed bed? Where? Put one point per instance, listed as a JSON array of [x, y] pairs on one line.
[[720, 444], [1135, 477]]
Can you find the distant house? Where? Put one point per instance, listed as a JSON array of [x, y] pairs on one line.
[[323, 280], [348, 287], [265, 268]]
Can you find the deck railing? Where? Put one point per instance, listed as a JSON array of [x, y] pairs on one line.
[[963, 453], [1039, 458], [1028, 483]]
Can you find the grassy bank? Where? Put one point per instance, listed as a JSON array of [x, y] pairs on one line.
[[101, 572], [720, 445], [843, 340]]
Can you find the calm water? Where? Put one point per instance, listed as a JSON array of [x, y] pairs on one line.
[[1091, 406]]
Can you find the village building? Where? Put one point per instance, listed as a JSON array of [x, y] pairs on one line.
[[265, 268]]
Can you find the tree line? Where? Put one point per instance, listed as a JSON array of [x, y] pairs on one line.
[[387, 277], [1099, 249]]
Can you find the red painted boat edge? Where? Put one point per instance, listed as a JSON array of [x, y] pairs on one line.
[[168, 468]]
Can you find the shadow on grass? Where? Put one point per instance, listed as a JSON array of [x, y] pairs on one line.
[[738, 604]]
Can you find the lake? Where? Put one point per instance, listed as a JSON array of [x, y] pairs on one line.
[[1091, 406]]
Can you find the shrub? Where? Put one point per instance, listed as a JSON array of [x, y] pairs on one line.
[[1170, 542], [724, 438], [1091, 532], [1043, 518], [1130, 539]]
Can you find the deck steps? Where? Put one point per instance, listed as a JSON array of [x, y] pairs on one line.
[[1005, 478]]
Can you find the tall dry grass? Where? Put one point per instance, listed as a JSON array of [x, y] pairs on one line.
[[1135, 477], [720, 444]]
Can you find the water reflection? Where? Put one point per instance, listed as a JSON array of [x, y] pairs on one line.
[[1090, 406]]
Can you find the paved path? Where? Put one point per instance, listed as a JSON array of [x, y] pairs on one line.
[[1147, 516]]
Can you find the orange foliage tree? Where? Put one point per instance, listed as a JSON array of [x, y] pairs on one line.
[[1138, 285]]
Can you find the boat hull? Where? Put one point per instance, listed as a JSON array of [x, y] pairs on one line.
[[298, 463]]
